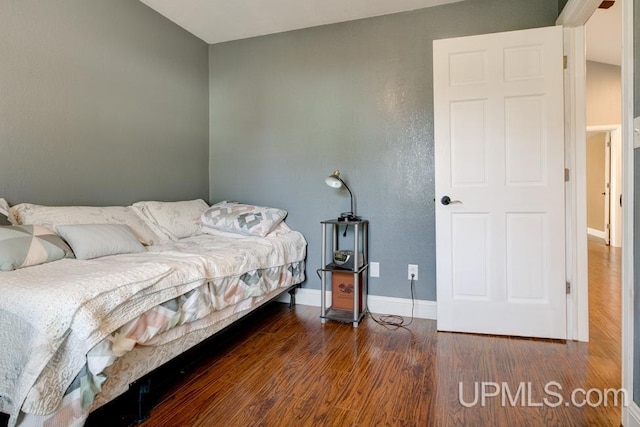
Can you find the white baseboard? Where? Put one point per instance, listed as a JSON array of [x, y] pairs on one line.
[[632, 418], [595, 233], [377, 304]]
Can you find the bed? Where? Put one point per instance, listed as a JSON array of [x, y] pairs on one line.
[[75, 333]]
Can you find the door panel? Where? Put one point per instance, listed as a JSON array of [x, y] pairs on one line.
[[526, 268], [525, 143], [470, 242], [468, 145], [499, 150]]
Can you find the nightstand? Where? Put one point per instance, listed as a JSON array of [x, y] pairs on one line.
[[348, 279]]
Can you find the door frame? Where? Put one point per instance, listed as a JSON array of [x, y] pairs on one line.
[[573, 17], [631, 413]]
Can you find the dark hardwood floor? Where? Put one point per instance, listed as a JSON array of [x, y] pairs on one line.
[[290, 370], [284, 368]]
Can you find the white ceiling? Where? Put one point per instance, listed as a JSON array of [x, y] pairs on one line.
[[216, 21], [604, 35]]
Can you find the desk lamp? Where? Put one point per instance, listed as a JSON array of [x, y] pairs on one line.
[[335, 181]]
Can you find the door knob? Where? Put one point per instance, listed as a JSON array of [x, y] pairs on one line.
[[446, 200]]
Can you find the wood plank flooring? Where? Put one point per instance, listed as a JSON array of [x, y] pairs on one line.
[[293, 371], [284, 368]]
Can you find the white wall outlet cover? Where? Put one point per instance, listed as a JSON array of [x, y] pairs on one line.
[[636, 132], [374, 269], [412, 270]]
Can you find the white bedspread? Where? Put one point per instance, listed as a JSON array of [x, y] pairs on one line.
[[52, 314]]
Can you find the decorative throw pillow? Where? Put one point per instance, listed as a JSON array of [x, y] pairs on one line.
[[54, 216], [27, 245], [279, 230], [176, 219], [244, 219], [6, 217], [97, 240]]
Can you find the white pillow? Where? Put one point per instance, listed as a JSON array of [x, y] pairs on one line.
[[54, 216], [176, 219], [97, 240]]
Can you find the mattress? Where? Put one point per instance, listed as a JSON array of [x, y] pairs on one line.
[[104, 294]]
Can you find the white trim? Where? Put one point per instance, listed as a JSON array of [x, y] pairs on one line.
[[402, 307], [575, 161], [630, 414], [595, 233], [377, 304], [633, 419], [577, 12]]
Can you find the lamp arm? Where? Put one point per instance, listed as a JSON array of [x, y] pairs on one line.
[[350, 194]]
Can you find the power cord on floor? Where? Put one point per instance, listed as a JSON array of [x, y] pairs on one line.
[[394, 321]]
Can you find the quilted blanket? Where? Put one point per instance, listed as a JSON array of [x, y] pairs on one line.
[[50, 320], [164, 323], [53, 314]]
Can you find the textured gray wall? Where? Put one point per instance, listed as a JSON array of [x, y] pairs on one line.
[[636, 207], [636, 259], [288, 109], [636, 57], [101, 102], [561, 5]]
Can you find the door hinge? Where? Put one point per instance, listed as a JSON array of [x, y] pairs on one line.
[[565, 60], [568, 288], [566, 175]]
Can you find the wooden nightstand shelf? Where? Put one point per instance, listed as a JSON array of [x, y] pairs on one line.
[[348, 285]]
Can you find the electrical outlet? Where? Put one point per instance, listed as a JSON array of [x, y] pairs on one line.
[[413, 269], [374, 269]]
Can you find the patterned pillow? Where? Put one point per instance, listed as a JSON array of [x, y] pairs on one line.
[[53, 216], [6, 218], [27, 245], [243, 219], [175, 219]]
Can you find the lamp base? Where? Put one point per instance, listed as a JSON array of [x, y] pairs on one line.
[[348, 216]]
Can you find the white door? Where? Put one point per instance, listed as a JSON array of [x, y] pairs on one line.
[[499, 151]]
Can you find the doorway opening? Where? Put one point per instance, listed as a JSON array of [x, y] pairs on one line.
[[604, 183]]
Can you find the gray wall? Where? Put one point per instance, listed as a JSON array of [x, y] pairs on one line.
[[101, 102], [561, 5], [288, 109], [636, 57], [636, 261], [636, 207]]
